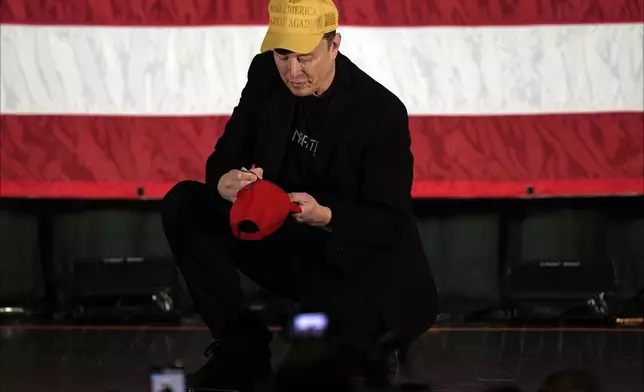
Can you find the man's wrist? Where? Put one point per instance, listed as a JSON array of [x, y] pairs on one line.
[[326, 216]]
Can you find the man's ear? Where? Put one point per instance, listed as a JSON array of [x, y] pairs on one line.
[[335, 43]]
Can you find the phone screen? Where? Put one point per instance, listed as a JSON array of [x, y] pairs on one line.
[[168, 380], [309, 325]]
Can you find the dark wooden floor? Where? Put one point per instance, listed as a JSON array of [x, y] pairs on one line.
[[101, 359]]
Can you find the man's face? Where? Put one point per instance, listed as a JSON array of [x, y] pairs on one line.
[[307, 73]]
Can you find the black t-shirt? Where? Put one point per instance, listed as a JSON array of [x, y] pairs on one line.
[[306, 137]]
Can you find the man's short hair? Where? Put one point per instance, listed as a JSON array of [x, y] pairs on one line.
[[329, 36]]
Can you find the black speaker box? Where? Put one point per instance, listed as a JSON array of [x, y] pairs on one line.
[[125, 286], [561, 280]]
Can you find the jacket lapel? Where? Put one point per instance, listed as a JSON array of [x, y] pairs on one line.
[[272, 141], [332, 129], [335, 124]]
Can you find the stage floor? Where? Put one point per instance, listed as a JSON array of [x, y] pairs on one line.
[[456, 359]]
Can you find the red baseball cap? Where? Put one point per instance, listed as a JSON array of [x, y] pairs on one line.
[[259, 210]]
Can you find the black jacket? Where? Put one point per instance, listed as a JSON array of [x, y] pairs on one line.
[[365, 171]]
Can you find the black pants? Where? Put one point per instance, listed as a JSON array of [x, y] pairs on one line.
[[291, 263]]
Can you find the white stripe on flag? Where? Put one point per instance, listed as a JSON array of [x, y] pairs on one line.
[[435, 71]]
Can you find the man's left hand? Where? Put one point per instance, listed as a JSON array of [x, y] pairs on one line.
[[312, 213]]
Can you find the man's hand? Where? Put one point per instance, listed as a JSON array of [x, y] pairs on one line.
[[312, 213], [230, 183]]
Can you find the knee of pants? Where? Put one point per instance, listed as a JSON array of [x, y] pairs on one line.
[[182, 201]]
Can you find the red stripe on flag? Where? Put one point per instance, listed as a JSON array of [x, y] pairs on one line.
[[352, 12], [101, 156]]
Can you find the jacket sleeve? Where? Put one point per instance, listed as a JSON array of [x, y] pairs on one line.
[[232, 149], [386, 176]]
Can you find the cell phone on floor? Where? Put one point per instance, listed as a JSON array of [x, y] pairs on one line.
[[167, 379]]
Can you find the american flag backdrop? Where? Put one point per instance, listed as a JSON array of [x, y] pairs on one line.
[[102, 97]]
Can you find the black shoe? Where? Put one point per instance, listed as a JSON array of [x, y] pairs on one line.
[[233, 366], [389, 368], [384, 368], [392, 364]]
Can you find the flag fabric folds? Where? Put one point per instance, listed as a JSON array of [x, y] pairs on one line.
[[101, 98]]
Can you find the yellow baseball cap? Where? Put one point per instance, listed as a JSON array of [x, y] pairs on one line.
[[299, 25]]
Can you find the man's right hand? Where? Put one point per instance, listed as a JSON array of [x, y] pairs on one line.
[[230, 183]]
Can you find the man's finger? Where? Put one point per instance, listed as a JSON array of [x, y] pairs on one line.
[[298, 196], [246, 176], [258, 171]]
